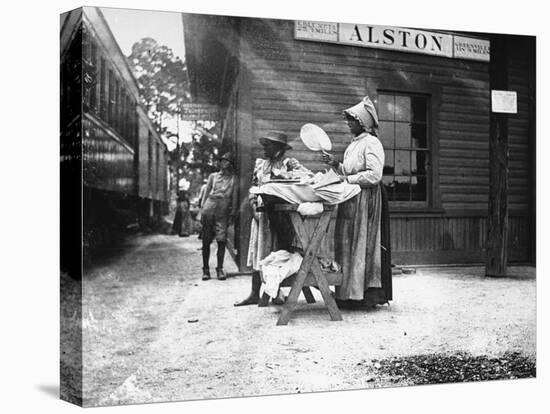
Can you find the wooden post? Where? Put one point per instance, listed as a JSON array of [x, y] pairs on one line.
[[497, 222], [246, 141]]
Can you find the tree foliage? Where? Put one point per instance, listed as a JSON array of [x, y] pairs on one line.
[[162, 81], [164, 86]]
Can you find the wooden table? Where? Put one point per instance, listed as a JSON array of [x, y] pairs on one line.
[[310, 273]]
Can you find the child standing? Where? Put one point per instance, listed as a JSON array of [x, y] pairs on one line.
[[218, 208]]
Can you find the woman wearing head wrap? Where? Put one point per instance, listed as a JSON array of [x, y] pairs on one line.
[[270, 230], [362, 226], [219, 204]]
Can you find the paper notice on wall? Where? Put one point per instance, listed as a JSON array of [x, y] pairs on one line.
[[504, 102]]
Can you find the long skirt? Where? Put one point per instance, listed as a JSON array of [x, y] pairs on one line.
[[186, 222], [362, 247]]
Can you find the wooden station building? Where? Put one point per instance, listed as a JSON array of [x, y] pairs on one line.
[[432, 91]]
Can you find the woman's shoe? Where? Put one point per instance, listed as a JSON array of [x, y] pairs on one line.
[[205, 273]]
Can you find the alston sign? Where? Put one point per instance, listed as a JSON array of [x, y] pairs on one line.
[[394, 38]]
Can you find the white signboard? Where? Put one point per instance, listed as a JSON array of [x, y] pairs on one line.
[[199, 111], [504, 102], [394, 38], [304, 29], [470, 48]]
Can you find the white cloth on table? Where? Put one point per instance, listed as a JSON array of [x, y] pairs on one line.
[[337, 193], [291, 193], [277, 267], [310, 209], [306, 193]]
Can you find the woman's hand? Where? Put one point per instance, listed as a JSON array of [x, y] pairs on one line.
[[292, 164], [330, 159]]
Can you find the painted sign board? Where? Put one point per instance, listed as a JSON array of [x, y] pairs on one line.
[[504, 102], [305, 29], [199, 112], [394, 38], [471, 48]]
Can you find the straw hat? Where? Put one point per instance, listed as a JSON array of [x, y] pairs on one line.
[[228, 157], [276, 136]]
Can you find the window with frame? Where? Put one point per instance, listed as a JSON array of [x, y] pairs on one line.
[[111, 98], [93, 65], [404, 133], [102, 90]]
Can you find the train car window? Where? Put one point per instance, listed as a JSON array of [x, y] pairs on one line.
[[102, 88], [157, 167], [135, 128], [122, 107], [110, 97], [93, 66], [116, 118], [150, 161]]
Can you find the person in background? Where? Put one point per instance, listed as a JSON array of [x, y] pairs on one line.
[[176, 225], [219, 204], [270, 230], [361, 238], [186, 227], [181, 225]]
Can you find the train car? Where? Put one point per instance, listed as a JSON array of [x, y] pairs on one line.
[[107, 139]]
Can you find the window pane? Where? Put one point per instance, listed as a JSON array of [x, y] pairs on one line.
[[418, 163], [385, 107], [419, 109], [403, 132], [386, 134], [402, 188], [389, 166], [402, 162], [419, 188], [389, 185], [419, 139], [402, 135], [102, 94], [402, 108]]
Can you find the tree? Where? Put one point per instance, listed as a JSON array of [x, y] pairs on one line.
[[164, 86], [162, 80]]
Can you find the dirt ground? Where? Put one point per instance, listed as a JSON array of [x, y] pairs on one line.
[[153, 331]]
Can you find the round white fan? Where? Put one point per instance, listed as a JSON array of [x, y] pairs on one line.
[[315, 138]]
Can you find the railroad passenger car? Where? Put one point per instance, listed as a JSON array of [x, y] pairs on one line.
[[110, 150]]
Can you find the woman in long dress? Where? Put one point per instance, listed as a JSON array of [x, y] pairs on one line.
[[362, 226]]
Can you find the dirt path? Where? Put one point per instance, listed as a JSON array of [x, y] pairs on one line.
[[140, 346]]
